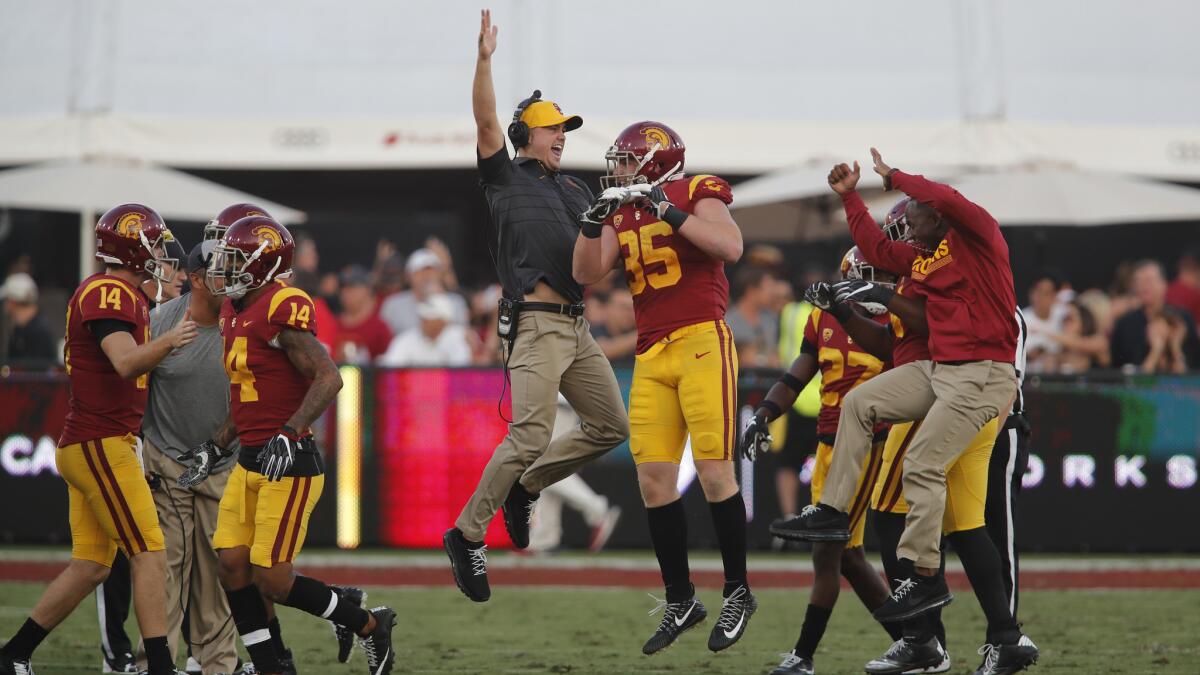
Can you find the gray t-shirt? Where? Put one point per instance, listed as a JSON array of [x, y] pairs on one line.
[[189, 390]]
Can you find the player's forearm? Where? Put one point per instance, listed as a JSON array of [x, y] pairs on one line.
[[225, 434], [963, 213], [483, 106], [317, 400], [783, 395], [132, 360], [586, 264], [872, 336], [718, 238], [911, 312], [893, 256]]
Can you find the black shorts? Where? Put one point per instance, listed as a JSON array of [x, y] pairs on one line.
[[801, 441]]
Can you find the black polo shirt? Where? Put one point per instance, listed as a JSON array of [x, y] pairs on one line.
[[536, 213]]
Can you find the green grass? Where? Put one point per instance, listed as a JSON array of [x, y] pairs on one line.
[[524, 630]]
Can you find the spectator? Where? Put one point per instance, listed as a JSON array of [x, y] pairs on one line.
[[1155, 337], [29, 338], [1184, 292], [436, 341], [446, 263], [425, 279], [1098, 304], [362, 335], [1043, 317], [389, 276], [307, 278], [617, 337], [485, 313], [755, 328], [1083, 345]]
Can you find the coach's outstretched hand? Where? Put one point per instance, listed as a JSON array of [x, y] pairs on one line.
[[200, 462], [487, 35], [842, 179], [756, 438], [882, 169]]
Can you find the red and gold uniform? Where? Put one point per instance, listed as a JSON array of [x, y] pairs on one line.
[[685, 375], [844, 365], [110, 502], [966, 478], [271, 518]]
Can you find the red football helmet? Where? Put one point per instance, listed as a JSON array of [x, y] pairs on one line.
[[652, 148], [254, 251], [135, 237], [855, 266], [215, 229], [895, 223]]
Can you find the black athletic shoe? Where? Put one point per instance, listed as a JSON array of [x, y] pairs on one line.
[[469, 565], [736, 611], [793, 665], [345, 636], [378, 645], [816, 522], [120, 663], [518, 513], [677, 618], [11, 666], [914, 596], [906, 657], [1006, 659]]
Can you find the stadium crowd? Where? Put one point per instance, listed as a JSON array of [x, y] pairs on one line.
[[410, 310]]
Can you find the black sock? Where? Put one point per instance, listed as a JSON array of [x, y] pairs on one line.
[[276, 635], [668, 533], [981, 562], [250, 616], [27, 639], [815, 620], [729, 520], [314, 597], [895, 629], [158, 655], [888, 528]]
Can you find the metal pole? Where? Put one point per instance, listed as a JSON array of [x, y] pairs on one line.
[[87, 243]]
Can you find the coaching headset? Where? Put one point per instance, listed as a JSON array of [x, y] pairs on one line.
[[518, 131]]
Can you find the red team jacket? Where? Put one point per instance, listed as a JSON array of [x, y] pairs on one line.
[[674, 284], [103, 403], [265, 389], [967, 282], [844, 365]]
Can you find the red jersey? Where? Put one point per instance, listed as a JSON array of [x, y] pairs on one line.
[[265, 389], [674, 284], [908, 346], [844, 365], [102, 402]]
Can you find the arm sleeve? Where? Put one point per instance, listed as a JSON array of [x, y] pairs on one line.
[[292, 308], [709, 187], [494, 170], [102, 328], [965, 215], [809, 344], [894, 256]]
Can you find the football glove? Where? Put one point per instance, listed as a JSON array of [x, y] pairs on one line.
[[870, 296], [819, 295], [756, 438], [656, 203], [200, 461], [278, 455]]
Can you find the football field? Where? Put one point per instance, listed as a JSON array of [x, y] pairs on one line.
[[589, 629]]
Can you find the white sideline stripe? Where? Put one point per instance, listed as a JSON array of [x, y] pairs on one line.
[[255, 637], [333, 598], [100, 609]]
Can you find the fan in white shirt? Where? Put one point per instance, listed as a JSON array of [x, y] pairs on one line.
[[436, 341]]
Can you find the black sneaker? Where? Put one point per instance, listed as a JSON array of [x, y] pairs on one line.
[[120, 663], [1005, 659], [345, 636], [816, 522], [914, 596], [11, 666], [908, 657], [469, 565], [518, 514], [793, 665], [736, 611], [677, 618], [378, 645]]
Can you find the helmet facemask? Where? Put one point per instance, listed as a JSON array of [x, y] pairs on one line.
[[214, 230], [229, 266], [159, 266], [615, 159]]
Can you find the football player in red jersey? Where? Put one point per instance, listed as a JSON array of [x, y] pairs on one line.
[[281, 380], [108, 354], [675, 239], [215, 228], [843, 365]]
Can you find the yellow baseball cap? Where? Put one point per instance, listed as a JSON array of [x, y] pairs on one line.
[[548, 114]]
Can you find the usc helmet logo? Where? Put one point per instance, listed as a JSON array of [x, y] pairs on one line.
[[269, 235], [130, 224], [655, 135]]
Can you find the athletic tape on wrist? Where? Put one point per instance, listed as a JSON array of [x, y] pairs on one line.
[[675, 217], [791, 382], [772, 408]]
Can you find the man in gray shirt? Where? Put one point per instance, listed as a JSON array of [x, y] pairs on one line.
[[188, 404]]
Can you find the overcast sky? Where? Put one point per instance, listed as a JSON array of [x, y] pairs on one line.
[[1097, 61]]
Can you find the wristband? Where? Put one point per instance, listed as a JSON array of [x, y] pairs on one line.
[[675, 217], [772, 408], [290, 432], [591, 230]]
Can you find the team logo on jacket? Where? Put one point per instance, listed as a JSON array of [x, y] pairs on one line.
[[924, 266], [654, 135], [269, 235], [130, 225]]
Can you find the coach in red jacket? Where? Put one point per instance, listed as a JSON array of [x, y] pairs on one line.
[[958, 260]]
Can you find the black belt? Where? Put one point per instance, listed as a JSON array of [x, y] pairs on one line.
[[553, 308]]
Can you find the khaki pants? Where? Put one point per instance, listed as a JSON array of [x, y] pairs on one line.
[[955, 402], [552, 353], [188, 519]]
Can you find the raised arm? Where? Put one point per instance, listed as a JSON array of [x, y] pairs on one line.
[[962, 213], [594, 256], [490, 137], [894, 256]]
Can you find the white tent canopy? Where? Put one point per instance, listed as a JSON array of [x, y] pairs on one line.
[[92, 187]]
